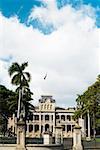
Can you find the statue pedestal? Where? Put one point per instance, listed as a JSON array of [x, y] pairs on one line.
[[58, 135], [77, 145], [47, 137], [20, 135]]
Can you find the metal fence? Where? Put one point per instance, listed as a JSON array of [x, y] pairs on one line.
[[34, 140], [8, 140]]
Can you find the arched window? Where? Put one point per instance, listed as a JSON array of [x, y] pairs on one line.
[[46, 117], [68, 128], [41, 106], [47, 127], [45, 106], [36, 128], [30, 128], [48, 106]]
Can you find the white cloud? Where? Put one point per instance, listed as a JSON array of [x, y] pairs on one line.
[[59, 17], [69, 55]]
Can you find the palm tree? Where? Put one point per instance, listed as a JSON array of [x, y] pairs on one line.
[[21, 79], [19, 76]]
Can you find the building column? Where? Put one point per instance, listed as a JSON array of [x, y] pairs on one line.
[[88, 125], [28, 128], [54, 121], [43, 123], [71, 128], [40, 122], [66, 127]]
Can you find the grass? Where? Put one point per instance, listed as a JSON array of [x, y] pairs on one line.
[[97, 139]]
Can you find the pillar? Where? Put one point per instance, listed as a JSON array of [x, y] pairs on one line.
[[82, 125], [88, 138], [47, 137], [20, 135], [77, 145], [58, 135]]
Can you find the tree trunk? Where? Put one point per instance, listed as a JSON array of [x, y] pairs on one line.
[[94, 130]]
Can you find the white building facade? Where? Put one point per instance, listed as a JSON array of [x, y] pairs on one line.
[[45, 117]]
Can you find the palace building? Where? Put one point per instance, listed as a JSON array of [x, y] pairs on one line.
[[45, 117]]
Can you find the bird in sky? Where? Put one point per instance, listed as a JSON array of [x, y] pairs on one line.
[[45, 76]]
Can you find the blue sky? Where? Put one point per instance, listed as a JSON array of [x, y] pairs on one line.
[[57, 37], [22, 8]]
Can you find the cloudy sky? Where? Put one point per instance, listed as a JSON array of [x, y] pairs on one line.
[[57, 37]]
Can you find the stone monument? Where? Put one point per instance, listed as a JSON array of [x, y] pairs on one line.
[[47, 137], [20, 135], [58, 135], [77, 145], [20, 125]]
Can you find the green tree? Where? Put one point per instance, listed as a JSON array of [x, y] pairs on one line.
[[6, 95], [21, 79], [89, 101]]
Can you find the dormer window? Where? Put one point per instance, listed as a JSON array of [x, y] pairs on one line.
[[45, 106], [42, 106], [48, 106]]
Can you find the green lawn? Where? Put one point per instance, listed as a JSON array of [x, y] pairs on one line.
[[97, 139]]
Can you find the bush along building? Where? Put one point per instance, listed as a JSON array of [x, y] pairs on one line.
[[45, 117]]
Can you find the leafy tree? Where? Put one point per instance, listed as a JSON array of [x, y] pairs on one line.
[[6, 95], [90, 101]]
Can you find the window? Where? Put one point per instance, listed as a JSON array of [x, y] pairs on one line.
[[68, 128], [30, 128], [52, 128], [52, 117], [36, 117], [41, 117], [45, 106], [42, 106], [62, 117], [69, 117], [31, 117], [63, 127], [46, 117], [48, 106], [47, 127], [73, 127], [36, 128], [57, 116]]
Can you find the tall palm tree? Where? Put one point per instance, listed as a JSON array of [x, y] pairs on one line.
[[19, 76], [21, 79]]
